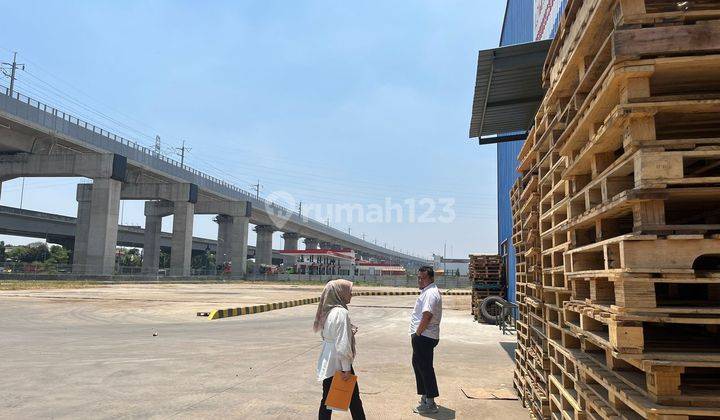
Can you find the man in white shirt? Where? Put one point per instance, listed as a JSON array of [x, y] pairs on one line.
[[425, 336]]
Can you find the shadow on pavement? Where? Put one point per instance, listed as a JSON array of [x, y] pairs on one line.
[[509, 347], [443, 413]]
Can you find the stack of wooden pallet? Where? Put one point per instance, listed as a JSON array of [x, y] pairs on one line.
[[625, 160], [531, 359], [486, 274]]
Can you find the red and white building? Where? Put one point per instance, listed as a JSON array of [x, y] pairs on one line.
[[323, 261], [375, 268], [340, 262]]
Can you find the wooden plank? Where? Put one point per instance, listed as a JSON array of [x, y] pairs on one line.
[[703, 37]]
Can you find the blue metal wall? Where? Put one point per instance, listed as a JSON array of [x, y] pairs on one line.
[[517, 29], [518, 24]]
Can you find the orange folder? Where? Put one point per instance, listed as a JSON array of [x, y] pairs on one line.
[[340, 392]]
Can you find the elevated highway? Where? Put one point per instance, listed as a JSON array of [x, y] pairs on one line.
[[39, 140], [59, 229]]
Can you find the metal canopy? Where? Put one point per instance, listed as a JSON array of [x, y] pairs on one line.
[[508, 91]]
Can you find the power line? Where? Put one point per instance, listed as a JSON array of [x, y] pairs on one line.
[[350, 188], [355, 183], [48, 88], [64, 96], [83, 93], [323, 192], [13, 68], [180, 151], [113, 121], [58, 101], [257, 188]]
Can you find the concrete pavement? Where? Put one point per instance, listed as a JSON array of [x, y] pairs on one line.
[[91, 353]]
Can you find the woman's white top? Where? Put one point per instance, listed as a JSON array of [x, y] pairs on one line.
[[337, 344]]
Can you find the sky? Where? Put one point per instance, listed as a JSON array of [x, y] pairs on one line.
[[337, 105]]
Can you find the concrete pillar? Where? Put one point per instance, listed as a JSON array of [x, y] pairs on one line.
[[290, 243], [224, 243], [238, 243], [311, 243], [181, 253], [102, 232], [151, 244], [263, 247], [82, 228]]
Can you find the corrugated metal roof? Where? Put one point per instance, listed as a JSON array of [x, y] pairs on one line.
[[508, 89]]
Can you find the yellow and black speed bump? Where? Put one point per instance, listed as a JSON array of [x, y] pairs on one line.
[[256, 309]]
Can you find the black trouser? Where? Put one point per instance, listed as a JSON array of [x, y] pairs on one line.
[[356, 407], [422, 361]]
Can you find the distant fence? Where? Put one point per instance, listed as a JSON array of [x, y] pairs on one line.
[[449, 282], [24, 271]]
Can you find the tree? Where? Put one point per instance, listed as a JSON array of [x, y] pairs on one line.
[[129, 257], [164, 259], [59, 255], [34, 252], [203, 260]]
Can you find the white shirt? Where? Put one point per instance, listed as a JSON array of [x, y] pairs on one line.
[[429, 300], [337, 345]]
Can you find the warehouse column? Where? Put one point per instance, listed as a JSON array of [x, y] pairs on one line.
[[82, 224], [151, 244], [181, 252], [311, 243], [263, 247], [237, 240], [103, 226], [290, 243]]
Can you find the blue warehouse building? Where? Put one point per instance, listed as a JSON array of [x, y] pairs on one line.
[[508, 91]]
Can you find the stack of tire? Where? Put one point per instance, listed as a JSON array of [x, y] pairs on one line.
[[490, 311], [488, 286]]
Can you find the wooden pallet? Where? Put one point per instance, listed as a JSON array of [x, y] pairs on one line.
[[605, 121], [615, 215], [663, 12], [627, 397], [628, 334], [492, 287], [632, 253], [564, 401], [686, 388], [668, 294], [532, 339], [576, 49]]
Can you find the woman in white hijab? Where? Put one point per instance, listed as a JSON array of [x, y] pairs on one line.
[[332, 320]]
